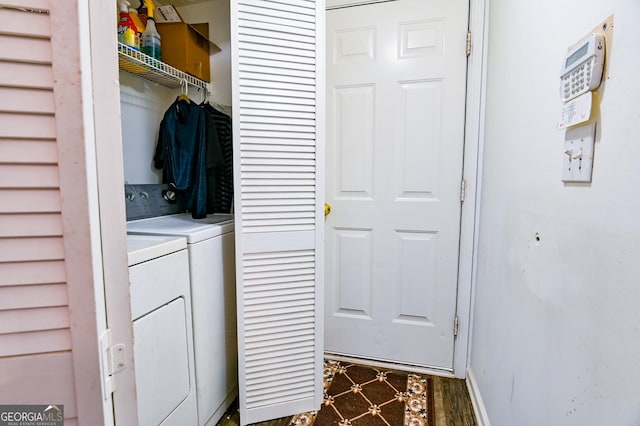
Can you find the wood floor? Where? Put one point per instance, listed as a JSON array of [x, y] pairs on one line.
[[452, 406], [456, 409]]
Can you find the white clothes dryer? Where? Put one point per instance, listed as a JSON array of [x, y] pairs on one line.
[[163, 338], [211, 249]]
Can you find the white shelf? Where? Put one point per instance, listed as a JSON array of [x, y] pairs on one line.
[[140, 64]]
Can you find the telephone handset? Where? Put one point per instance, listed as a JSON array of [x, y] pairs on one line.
[[582, 68]]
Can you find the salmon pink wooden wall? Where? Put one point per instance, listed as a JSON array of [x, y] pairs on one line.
[[47, 309]]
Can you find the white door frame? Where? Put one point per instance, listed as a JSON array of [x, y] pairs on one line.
[[102, 60], [472, 175]]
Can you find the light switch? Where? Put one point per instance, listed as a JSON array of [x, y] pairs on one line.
[[578, 153]]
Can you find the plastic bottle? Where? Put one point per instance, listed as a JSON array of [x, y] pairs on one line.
[[133, 13], [127, 31], [150, 37], [142, 13]]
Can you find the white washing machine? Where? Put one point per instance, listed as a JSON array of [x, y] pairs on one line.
[[163, 338], [211, 249]]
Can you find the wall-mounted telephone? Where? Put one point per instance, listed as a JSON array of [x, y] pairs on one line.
[[582, 68]]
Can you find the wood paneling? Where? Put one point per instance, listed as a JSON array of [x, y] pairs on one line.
[[27, 24], [31, 249], [29, 176], [36, 363], [33, 296], [16, 344], [29, 101], [35, 319], [26, 75], [28, 151], [30, 225], [31, 273], [39, 379], [27, 126], [21, 49], [33, 4], [30, 200]]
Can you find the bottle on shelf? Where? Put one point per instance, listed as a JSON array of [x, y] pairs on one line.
[[127, 31], [133, 13], [150, 36], [142, 13]]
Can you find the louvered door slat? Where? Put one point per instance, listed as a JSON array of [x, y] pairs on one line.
[[266, 32], [286, 6], [276, 65], [277, 148], [271, 83], [284, 24], [267, 45], [250, 153], [269, 40], [278, 204]]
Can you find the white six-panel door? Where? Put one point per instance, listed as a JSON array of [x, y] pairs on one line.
[[396, 74], [278, 167]]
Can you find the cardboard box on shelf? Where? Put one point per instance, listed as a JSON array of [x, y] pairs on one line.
[[187, 47]]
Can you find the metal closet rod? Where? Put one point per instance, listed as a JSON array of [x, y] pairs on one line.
[[204, 90]]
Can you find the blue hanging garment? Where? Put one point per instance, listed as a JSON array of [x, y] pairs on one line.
[[181, 154]]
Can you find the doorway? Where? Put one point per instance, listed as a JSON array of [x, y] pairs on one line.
[[396, 94]]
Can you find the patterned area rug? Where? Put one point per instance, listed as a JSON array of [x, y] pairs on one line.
[[355, 395]]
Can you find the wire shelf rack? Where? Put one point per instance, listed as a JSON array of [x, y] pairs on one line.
[[140, 64]]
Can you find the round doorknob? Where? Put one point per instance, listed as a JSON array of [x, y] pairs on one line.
[[327, 209]]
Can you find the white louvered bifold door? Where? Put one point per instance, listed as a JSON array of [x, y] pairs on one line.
[[278, 77]]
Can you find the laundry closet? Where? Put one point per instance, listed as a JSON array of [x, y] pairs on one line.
[[266, 83]]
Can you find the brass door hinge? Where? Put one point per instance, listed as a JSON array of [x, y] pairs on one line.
[[456, 326], [468, 43], [463, 190]]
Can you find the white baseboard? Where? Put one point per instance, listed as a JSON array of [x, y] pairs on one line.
[[476, 399]]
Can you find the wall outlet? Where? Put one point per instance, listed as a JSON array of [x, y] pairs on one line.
[[578, 153]]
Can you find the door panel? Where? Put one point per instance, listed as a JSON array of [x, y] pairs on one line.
[[355, 121], [354, 252], [395, 93], [278, 204], [418, 143]]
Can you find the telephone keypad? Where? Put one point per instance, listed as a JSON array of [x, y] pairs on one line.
[[577, 81]]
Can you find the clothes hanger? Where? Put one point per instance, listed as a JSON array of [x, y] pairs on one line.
[[184, 91]]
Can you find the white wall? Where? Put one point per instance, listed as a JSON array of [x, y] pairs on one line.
[[557, 322], [144, 103], [216, 13]]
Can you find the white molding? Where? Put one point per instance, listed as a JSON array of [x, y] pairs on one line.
[[389, 365], [112, 217], [472, 174], [482, 418]]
